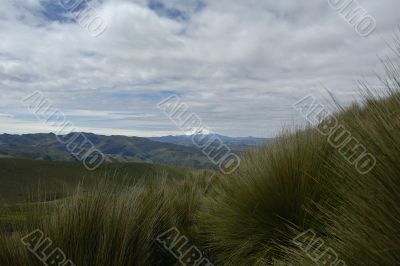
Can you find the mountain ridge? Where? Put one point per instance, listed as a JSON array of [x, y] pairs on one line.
[[168, 150]]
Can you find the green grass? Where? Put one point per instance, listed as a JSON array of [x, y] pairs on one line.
[[111, 224], [31, 181], [20, 178], [270, 191], [300, 182]]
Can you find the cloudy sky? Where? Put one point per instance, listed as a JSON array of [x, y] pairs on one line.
[[238, 64]]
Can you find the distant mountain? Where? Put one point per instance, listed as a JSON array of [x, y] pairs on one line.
[[116, 148], [236, 144], [169, 150]]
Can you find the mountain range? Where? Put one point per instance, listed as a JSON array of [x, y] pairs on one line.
[[236, 144], [169, 150]]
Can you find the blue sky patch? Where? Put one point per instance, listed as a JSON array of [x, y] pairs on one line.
[[162, 10], [54, 11]]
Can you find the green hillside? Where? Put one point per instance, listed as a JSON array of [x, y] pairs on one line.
[[115, 148], [21, 178]]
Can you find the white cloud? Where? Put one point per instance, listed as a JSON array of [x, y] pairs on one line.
[[239, 64]]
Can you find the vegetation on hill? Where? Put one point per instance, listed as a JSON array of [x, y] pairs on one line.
[[236, 144], [116, 148], [31, 181], [19, 177]]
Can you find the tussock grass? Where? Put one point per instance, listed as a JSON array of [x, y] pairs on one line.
[[246, 216], [301, 182], [111, 224], [363, 226]]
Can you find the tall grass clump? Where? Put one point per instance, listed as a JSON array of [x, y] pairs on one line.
[[246, 217], [363, 227], [112, 224], [301, 182]]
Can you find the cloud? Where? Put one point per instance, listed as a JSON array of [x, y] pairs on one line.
[[240, 65]]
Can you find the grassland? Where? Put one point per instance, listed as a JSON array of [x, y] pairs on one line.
[[25, 183], [21, 178]]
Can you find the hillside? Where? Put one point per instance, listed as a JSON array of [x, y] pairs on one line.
[[116, 148], [236, 144], [20, 178]]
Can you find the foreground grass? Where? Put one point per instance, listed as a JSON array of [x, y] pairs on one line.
[[111, 224]]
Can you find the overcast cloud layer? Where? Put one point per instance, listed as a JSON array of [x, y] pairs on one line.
[[240, 65]]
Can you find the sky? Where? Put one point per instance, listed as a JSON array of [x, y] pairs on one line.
[[240, 65]]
